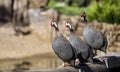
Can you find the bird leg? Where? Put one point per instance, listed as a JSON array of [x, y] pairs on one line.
[[95, 52]]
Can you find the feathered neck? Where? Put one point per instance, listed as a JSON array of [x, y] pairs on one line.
[[85, 20], [72, 31], [56, 31]]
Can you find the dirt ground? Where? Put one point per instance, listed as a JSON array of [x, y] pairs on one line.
[[12, 46]]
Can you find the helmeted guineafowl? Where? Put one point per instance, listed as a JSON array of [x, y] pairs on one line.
[[62, 46], [93, 37], [83, 51]]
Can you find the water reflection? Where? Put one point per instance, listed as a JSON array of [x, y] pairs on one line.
[[36, 62]]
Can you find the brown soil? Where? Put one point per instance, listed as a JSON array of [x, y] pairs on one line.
[[12, 46]]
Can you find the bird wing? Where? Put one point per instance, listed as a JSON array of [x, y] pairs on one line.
[[93, 37], [80, 47], [63, 48]]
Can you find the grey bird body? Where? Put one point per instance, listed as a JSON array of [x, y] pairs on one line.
[[82, 49], [62, 47], [93, 37]]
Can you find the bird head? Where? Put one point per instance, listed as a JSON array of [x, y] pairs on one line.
[[68, 24], [83, 16], [54, 24]]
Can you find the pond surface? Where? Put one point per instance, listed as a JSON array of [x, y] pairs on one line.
[[36, 62]]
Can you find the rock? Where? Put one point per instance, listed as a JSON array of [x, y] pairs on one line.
[[113, 62], [6, 3], [51, 13], [117, 27], [118, 37], [97, 25], [40, 21], [33, 3], [5, 10], [38, 3], [20, 4], [37, 15], [7, 7]]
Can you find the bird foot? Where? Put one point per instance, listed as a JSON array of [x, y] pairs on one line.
[[63, 65], [77, 62], [95, 53]]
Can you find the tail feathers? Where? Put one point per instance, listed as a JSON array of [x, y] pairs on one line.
[[105, 44]]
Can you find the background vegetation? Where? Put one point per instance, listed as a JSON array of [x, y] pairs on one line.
[[101, 10]]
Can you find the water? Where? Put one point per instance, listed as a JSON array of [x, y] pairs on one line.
[[36, 62]]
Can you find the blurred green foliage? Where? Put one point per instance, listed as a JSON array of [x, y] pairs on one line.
[[67, 10], [105, 11]]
